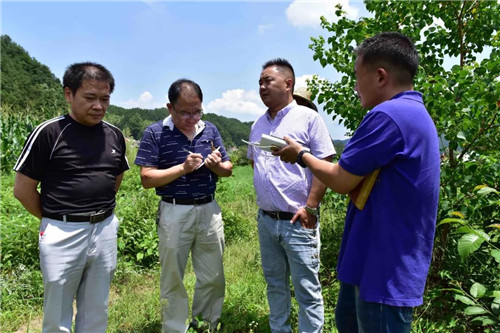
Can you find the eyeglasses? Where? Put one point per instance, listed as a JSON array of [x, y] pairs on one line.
[[186, 115]]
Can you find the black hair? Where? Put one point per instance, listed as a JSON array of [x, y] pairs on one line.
[[176, 88], [283, 66], [391, 49], [78, 72]]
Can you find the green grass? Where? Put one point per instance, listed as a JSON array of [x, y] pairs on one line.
[[134, 296]]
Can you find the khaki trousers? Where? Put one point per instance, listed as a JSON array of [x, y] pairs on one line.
[[195, 229]]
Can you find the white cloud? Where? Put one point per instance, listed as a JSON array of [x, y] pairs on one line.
[[237, 101], [263, 27], [300, 81], [302, 13], [145, 101]]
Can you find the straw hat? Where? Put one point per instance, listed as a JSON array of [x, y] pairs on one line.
[[303, 97]]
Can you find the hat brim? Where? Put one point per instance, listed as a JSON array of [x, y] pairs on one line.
[[306, 102]]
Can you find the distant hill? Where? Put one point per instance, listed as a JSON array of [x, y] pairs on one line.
[[231, 130], [134, 121], [27, 83], [339, 146]]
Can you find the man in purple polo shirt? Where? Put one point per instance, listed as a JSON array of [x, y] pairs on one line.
[[288, 198], [386, 247], [182, 157]]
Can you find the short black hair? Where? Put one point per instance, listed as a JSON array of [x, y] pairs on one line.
[[176, 88], [283, 66], [78, 72], [391, 49]]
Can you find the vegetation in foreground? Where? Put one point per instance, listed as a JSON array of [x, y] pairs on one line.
[[463, 292]]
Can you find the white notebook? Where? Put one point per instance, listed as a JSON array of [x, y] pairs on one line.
[[269, 143]]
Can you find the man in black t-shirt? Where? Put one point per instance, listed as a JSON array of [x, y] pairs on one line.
[[79, 161]]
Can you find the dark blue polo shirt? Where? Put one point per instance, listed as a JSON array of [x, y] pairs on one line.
[[162, 147]]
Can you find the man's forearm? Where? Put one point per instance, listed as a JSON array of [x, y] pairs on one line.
[[318, 190], [332, 174], [152, 177], [25, 190], [223, 169]]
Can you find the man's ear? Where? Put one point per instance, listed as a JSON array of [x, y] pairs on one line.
[[68, 94], [289, 83], [170, 108], [382, 76]]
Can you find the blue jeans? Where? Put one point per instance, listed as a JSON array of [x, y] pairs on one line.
[[291, 250], [354, 315]]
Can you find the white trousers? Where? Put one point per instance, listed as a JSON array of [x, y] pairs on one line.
[[77, 259], [195, 229]]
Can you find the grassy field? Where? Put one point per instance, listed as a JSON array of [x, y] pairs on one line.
[[134, 298]]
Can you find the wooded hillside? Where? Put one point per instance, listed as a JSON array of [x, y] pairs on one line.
[[29, 86]]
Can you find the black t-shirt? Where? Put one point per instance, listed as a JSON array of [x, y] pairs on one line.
[[76, 165]]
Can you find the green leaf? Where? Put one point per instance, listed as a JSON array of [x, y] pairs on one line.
[[464, 299], [469, 243], [488, 321], [477, 290], [451, 220], [474, 310], [495, 306], [496, 254], [459, 214], [465, 229], [461, 135], [486, 190]]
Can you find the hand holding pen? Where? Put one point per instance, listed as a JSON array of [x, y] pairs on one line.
[[193, 161], [213, 159]]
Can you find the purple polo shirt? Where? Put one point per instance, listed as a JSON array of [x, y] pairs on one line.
[[387, 247], [283, 186]]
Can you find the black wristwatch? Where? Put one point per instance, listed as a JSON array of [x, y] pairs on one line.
[[299, 158]]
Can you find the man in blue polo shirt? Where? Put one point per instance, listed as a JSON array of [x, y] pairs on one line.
[[387, 246], [182, 157]]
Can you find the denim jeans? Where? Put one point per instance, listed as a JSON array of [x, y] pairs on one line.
[[354, 315], [291, 250]]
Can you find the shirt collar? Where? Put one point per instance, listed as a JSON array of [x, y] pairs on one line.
[[283, 112], [409, 94], [200, 125]]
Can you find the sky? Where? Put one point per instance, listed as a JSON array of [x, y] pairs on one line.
[[149, 44]]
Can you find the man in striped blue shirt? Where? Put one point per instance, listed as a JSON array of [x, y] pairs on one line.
[[182, 157]]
